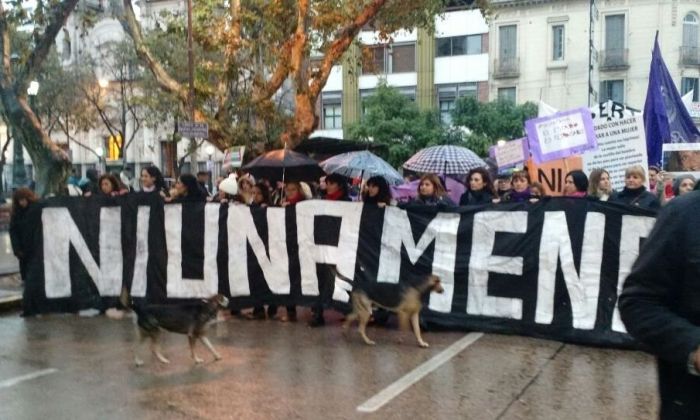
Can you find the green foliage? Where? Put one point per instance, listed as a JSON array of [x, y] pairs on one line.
[[493, 120], [394, 120]]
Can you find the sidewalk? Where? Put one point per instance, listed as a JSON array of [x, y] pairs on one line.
[[10, 292]]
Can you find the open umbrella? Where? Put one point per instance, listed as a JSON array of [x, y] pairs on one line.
[[444, 160], [362, 164], [284, 165]]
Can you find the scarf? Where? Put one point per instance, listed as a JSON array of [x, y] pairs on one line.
[[517, 197], [335, 196], [293, 200], [149, 189]]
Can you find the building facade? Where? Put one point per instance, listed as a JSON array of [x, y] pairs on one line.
[[432, 69], [571, 53]]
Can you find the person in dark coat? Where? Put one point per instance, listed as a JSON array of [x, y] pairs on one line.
[[22, 228], [520, 181], [575, 184], [479, 189], [90, 184], [635, 193], [337, 189], [431, 192], [660, 304], [187, 189], [377, 191]]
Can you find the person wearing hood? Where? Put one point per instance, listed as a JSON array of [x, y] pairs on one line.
[[228, 190], [683, 184], [575, 184], [635, 193], [479, 189]]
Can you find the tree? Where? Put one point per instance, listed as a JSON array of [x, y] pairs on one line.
[[60, 105], [492, 121], [112, 86], [394, 120], [264, 44], [52, 164]]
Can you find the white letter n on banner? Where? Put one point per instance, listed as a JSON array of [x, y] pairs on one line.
[[584, 288], [60, 232], [397, 232], [179, 287], [241, 232]]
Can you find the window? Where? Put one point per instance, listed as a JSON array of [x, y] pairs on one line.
[[614, 34], [332, 110], [391, 59], [114, 144], [690, 30], [448, 95], [506, 94], [66, 50], [403, 58], [688, 84], [458, 45], [557, 42], [613, 90], [507, 40]]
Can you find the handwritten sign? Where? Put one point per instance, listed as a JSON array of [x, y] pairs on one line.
[[560, 135], [511, 153]]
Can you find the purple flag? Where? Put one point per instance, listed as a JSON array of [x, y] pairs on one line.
[[666, 120]]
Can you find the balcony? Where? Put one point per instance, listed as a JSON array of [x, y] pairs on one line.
[[617, 59], [690, 56], [506, 67]]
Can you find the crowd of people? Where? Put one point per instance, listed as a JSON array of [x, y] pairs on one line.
[[239, 188]]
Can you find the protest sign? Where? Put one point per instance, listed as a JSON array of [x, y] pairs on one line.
[[621, 144], [233, 157], [510, 153], [560, 135], [551, 174]]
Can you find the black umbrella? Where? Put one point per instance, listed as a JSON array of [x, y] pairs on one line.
[[284, 165]]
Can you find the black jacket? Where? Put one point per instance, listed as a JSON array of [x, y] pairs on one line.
[[475, 198], [23, 229], [639, 197], [660, 303]]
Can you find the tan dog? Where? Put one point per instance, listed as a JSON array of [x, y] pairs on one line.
[[404, 298], [191, 319]]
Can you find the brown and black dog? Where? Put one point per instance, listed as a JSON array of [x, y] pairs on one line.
[[403, 298], [191, 319]]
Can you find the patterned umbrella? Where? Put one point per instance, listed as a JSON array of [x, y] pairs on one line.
[[362, 164], [445, 159]]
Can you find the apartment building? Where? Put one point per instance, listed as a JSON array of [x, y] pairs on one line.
[[432, 69], [571, 53]]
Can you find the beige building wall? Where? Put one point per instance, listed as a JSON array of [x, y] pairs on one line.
[[563, 84]]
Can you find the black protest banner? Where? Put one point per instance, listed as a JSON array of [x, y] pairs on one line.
[[551, 269]]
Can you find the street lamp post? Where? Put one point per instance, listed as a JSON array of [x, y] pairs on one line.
[[209, 150], [100, 151], [19, 173]]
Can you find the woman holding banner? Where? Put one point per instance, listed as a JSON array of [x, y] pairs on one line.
[[152, 181], [479, 189], [431, 192], [187, 189], [575, 184], [520, 192], [635, 193]]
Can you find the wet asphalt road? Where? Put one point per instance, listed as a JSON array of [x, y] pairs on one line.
[[68, 367]]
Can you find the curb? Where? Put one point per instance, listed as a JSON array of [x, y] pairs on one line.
[[10, 303]]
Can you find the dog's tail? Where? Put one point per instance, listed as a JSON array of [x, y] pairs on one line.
[[336, 274]]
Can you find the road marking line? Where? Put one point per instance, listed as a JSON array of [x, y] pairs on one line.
[[392, 391], [14, 381]]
